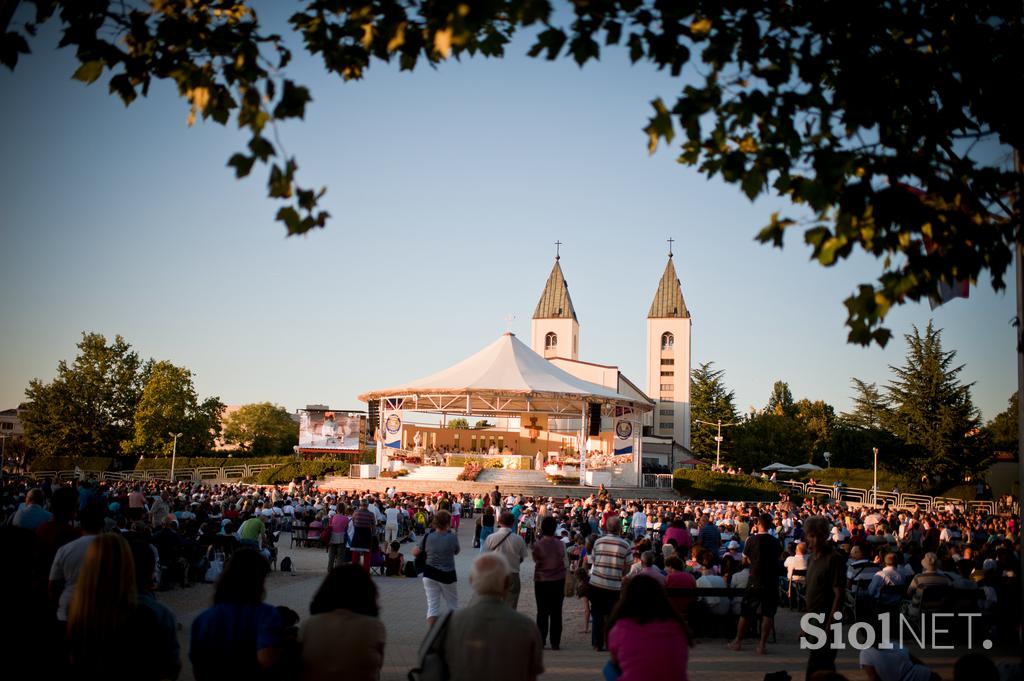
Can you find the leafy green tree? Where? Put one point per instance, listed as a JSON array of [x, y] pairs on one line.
[[482, 424], [88, 409], [1002, 430], [819, 418], [458, 424], [869, 406], [932, 412], [862, 115], [261, 429], [766, 438], [169, 404], [781, 402], [710, 400]]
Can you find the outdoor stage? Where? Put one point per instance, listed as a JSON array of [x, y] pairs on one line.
[[529, 483]]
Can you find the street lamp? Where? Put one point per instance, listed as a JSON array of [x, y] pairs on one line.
[[718, 438], [828, 458], [874, 489], [174, 453]]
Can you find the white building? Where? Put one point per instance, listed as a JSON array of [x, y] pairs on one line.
[[555, 334]]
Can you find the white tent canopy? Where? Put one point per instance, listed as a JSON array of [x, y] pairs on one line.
[[781, 468], [808, 467], [506, 377]]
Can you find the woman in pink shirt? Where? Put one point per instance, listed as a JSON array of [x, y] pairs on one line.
[[647, 638], [680, 533]]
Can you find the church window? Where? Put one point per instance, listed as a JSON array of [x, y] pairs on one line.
[[668, 341], [667, 362], [668, 373], [550, 341]]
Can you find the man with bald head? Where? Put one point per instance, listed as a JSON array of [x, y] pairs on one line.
[[489, 640]]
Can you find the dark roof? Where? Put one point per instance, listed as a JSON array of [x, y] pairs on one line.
[[555, 302], [668, 299]]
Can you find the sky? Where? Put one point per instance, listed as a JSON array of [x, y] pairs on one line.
[[448, 189]]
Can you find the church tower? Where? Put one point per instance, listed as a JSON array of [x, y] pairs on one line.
[[668, 358], [555, 329]]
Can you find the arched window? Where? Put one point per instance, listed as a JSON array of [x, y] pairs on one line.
[[668, 341], [550, 341]]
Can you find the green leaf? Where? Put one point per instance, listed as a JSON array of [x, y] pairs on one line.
[[753, 182], [242, 164], [89, 71], [659, 126]]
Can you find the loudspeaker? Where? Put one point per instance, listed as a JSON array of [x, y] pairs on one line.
[[372, 420], [594, 419]]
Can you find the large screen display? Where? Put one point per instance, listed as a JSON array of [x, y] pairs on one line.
[[326, 429]]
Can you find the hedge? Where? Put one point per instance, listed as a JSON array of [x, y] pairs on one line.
[[67, 463], [183, 462], [704, 484], [300, 469]]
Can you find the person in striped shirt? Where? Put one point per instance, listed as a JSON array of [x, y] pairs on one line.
[[611, 563]]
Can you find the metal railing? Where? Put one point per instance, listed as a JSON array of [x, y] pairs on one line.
[[180, 474], [656, 480]]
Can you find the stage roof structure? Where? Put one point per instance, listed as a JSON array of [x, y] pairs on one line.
[[506, 377]]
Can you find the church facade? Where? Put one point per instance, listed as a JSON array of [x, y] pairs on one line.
[[555, 332]]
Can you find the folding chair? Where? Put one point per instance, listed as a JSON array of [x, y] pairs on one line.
[[300, 533]]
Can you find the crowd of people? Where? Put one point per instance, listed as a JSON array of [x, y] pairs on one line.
[[96, 554]]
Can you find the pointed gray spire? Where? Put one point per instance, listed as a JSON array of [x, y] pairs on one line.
[[668, 299], [555, 302]]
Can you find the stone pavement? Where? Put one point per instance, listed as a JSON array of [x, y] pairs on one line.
[[403, 610]]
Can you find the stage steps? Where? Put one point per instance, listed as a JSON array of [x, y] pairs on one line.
[[435, 473], [501, 476]]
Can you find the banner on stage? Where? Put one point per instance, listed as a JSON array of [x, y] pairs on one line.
[[393, 429], [623, 437]]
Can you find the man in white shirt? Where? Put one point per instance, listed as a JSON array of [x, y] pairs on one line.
[[639, 523], [505, 541], [67, 563], [391, 524], [887, 576]]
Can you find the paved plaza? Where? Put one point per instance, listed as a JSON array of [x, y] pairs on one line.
[[403, 609]]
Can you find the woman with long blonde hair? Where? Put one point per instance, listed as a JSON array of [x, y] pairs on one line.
[[104, 620]]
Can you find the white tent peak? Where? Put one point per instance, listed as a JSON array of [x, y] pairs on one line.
[[507, 367]]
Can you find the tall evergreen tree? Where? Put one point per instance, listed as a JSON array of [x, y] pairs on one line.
[[710, 400], [869, 406], [931, 411], [781, 401]]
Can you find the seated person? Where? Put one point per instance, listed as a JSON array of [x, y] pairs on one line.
[[394, 561]]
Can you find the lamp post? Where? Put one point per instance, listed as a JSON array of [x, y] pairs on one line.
[[718, 438], [174, 453], [3, 454], [874, 489], [828, 458]]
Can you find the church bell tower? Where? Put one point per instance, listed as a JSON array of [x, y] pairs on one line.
[[668, 358], [555, 330]]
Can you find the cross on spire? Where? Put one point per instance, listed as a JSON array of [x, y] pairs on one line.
[[670, 240], [509, 318], [558, 247]]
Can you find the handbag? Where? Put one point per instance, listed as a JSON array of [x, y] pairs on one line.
[[216, 567], [432, 664], [421, 557], [611, 671], [570, 584]]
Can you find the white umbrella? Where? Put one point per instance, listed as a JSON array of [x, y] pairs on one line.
[[808, 467], [780, 467]]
